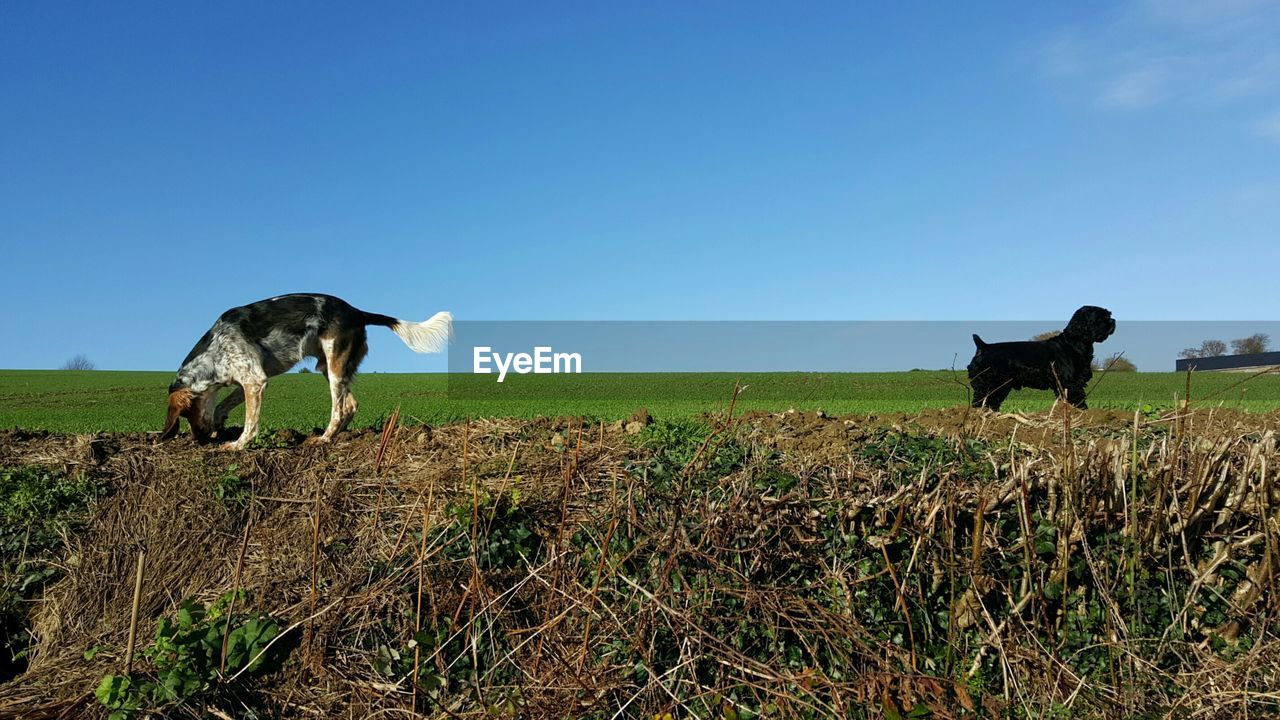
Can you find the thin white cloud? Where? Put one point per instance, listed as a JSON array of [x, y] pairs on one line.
[[1201, 13], [1268, 127], [1135, 89], [1063, 57], [1259, 194], [1151, 53], [1245, 85]]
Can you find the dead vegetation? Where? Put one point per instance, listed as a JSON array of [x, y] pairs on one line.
[[955, 563]]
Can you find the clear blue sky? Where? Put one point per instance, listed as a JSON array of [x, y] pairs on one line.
[[161, 162]]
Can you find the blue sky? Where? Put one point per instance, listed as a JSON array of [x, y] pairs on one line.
[[161, 162]]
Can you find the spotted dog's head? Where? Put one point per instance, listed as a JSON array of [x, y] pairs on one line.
[[1091, 324], [185, 403]]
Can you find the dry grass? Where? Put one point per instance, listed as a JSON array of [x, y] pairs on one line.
[[964, 563]]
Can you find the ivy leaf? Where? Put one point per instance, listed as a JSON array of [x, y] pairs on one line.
[[188, 614], [112, 690], [1053, 590]]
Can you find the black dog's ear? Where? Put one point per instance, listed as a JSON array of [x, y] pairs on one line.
[[179, 402]]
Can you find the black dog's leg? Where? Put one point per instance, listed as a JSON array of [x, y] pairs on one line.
[[1076, 396]]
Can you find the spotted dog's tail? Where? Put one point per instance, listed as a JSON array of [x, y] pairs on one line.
[[428, 336]]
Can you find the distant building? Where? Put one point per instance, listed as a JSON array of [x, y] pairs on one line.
[[1255, 362]]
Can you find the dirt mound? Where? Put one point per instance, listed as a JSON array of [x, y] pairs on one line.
[[827, 438], [792, 564]]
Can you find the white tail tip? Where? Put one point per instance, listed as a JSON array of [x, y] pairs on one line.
[[428, 336]]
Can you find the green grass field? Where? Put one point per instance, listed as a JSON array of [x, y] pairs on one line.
[[73, 401]]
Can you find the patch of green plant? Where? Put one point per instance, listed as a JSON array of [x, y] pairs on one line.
[[676, 439], [449, 655], [1153, 412], [38, 507], [498, 531], [907, 454], [187, 658], [231, 488], [397, 662], [274, 440], [686, 444]]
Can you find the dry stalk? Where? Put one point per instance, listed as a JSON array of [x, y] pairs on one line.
[[133, 613], [235, 590], [309, 639], [388, 432]]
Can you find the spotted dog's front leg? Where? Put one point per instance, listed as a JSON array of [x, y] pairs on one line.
[[252, 410]]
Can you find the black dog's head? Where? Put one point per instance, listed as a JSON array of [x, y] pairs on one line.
[[1091, 324]]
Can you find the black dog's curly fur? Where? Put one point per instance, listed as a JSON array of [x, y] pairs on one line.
[[1061, 363]]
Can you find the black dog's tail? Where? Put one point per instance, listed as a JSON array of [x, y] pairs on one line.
[[978, 341]]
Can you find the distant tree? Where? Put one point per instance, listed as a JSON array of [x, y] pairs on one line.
[[1114, 364], [79, 362], [1252, 345], [1208, 348], [1047, 335]]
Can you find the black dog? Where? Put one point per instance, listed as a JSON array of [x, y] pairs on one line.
[[1061, 363]]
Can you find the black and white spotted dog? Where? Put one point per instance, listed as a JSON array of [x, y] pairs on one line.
[[1062, 363], [249, 344]]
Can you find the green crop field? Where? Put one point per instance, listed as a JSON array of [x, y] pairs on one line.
[[74, 401]]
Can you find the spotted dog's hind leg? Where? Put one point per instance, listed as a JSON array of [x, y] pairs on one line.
[[343, 354], [328, 362]]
